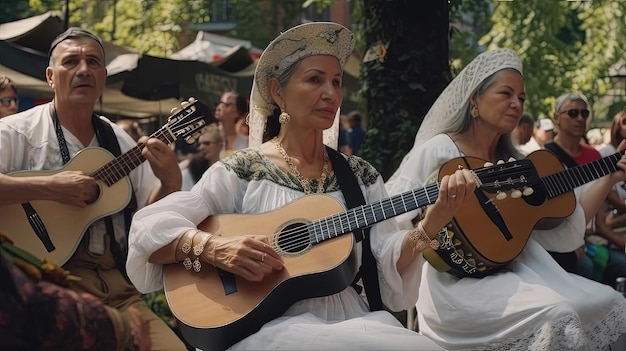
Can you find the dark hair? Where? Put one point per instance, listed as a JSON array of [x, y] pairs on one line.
[[71, 33], [526, 118], [6, 83], [616, 133], [272, 126], [243, 107], [197, 166], [355, 116]]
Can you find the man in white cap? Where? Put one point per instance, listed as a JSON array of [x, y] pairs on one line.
[[543, 133]]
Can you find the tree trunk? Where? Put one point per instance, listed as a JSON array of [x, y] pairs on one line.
[[400, 87]]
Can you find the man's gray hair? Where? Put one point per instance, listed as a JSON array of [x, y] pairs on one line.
[[567, 97]]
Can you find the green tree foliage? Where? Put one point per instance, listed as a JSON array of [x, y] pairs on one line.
[[12, 10], [565, 46]]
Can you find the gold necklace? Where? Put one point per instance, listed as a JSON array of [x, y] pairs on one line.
[[303, 181]]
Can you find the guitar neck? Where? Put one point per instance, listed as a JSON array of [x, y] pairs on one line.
[[570, 178], [366, 215], [122, 165]]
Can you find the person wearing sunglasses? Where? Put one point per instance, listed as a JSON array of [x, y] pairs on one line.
[[8, 97], [571, 115]]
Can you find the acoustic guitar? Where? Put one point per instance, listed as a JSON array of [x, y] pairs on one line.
[[215, 309], [492, 227], [52, 230]]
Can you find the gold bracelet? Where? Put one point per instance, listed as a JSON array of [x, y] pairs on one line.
[[186, 247], [198, 249], [421, 240]]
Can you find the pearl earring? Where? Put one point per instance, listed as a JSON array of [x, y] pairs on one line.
[[284, 117]]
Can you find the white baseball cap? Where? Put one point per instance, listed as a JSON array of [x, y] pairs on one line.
[[545, 124]]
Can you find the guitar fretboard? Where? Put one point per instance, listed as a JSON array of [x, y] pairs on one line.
[[185, 123], [131, 159], [367, 215], [570, 178]]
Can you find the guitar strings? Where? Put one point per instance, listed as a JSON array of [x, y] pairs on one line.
[[110, 173], [299, 236], [510, 174]]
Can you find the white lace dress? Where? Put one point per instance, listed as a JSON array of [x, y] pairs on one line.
[[532, 305]]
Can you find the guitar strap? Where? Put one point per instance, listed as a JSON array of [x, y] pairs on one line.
[[565, 158], [354, 197], [107, 139]]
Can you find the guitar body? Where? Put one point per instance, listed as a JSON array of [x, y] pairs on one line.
[[479, 237], [211, 319], [65, 224], [52, 230]]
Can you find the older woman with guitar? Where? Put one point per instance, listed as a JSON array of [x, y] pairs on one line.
[[490, 285], [253, 257]]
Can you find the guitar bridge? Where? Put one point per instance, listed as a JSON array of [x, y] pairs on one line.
[[38, 227], [494, 214]]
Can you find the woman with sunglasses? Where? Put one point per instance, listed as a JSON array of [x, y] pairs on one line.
[[8, 97]]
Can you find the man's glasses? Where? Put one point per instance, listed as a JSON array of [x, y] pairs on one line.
[[574, 113], [7, 101]]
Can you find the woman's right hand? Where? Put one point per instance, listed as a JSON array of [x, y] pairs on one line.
[[249, 256]]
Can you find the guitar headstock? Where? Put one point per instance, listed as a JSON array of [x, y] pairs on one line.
[[188, 122], [518, 176]]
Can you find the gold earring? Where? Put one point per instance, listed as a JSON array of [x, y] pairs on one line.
[[474, 111], [284, 117]]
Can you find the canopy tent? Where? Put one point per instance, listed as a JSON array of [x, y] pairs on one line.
[[140, 85], [152, 78], [209, 48]]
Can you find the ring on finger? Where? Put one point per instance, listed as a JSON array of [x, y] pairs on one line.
[[263, 256], [452, 195]]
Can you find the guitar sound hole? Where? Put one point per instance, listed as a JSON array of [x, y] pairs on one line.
[[538, 197], [294, 238], [94, 195]]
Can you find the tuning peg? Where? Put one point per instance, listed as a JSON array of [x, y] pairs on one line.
[[516, 194], [500, 162], [528, 191], [501, 195], [488, 164], [185, 104], [191, 100], [174, 109], [511, 159]]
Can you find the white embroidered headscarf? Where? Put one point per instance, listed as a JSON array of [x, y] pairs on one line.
[[297, 43], [453, 103]]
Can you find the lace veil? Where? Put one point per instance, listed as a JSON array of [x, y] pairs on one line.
[[453, 103], [297, 43]]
